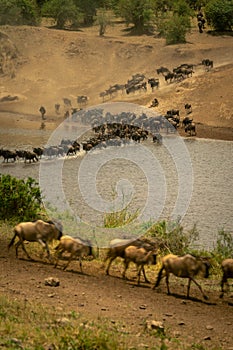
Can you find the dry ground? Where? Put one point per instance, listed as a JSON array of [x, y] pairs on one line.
[[93, 294], [53, 64]]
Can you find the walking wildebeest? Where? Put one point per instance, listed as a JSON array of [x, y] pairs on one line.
[[38, 231], [186, 266]]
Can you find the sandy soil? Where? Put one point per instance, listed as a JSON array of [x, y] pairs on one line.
[[50, 65]]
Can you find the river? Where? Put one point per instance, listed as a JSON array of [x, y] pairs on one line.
[[192, 179]]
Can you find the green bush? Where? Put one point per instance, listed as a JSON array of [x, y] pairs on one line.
[[224, 246], [174, 30], [62, 11], [19, 12], [219, 14], [19, 199], [171, 237]]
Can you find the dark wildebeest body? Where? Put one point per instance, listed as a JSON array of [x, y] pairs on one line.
[[42, 110], [227, 272], [191, 129], [7, 154]]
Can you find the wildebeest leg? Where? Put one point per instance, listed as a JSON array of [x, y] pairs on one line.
[[223, 281], [198, 285], [20, 242], [167, 282], [109, 264], [126, 263], [45, 245], [158, 278], [80, 264], [144, 274]]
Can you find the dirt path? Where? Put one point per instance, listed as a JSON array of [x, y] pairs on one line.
[[95, 295]]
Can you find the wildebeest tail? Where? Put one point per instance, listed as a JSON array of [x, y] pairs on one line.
[[13, 239], [159, 277]]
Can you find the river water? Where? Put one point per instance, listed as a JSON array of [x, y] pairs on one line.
[[191, 179]]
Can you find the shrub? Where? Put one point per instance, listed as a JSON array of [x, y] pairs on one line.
[[172, 238], [19, 199], [224, 246], [18, 12], [62, 11], [219, 14], [174, 30]]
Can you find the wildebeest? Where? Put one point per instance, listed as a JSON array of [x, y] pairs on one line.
[[153, 82], [191, 129], [227, 272], [117, 249], [186, 266], [157, 138], [169, 76], [76, 247], [82, 100], [140, 256], [39, 231], [186, 121], [42, 110], [7, 154], [162, 70], [30, 156], [154, 103], [207, 63], [188, 108]]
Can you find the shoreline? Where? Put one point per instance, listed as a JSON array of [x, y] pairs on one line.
[[19, 121]]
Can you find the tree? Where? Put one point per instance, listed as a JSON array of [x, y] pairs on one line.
[[62, 11], [219, 14], [103, 19], [19, 12], [138, 12], [87, 9], [175, 28]]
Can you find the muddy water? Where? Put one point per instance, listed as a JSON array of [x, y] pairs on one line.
[[142, 177]]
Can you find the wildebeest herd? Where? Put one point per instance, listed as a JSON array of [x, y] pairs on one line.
[[109, 130], [140, 251]]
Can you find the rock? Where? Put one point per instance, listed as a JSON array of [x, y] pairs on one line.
[[158, 325], [64, 321], [52, 282], [142, 307], [210, 328], [207, 338], [181, 323]]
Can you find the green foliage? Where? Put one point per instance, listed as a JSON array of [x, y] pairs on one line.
[[174, 29], [224, 246], [103, 19], [172, 238], [219, 14], [19, 12], [120, 218], [87, 9], [19, 199], [62, 11], [182, 9], [138, 12]]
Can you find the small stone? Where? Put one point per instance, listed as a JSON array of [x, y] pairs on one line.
[[210, 328], [52, 282], [64, 321], [181, 323], [142, 307], [158, 325], [52, 295], [207, 338]]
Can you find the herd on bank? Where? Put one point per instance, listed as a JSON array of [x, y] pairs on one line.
[[140, 251]]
